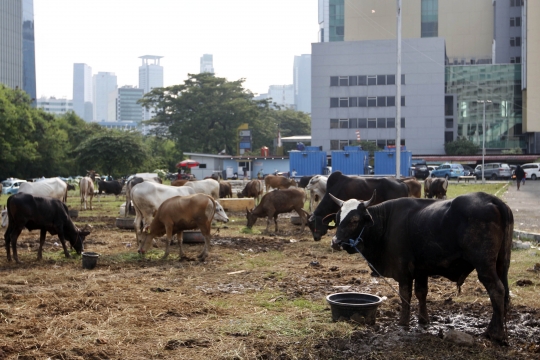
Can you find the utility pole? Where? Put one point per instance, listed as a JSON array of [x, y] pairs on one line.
[[398, 94]]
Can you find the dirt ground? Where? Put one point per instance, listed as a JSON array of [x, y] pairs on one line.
[[257, 296]]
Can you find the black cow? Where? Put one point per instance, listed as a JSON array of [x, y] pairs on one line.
[[437, 188], [45, 214], [110, 187], [411, 239], [345, 188], [304, 181]]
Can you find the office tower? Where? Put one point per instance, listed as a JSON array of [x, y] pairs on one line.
[[82, 91], [127, 107], [490, 51], [331, 20], [282, 95], [207, 63], [302, 82], [17, 50], [54, 106], [150, 76], [104, 100]]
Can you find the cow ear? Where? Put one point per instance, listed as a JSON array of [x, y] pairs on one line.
[[368, 220]]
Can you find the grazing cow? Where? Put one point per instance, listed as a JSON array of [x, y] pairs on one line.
[[225, 189], [181, 213], [278, 182], [53, 187], [278, 202], [86, 191], [435, 187], [43, 213], [208, 187], [412, 239], [304, 181], [148, 196], [415, 188], [253, 189], [317, 189], [109, 187], [71, 187], [129, 186], [345, 187]]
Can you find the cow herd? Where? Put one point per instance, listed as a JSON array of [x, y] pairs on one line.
[[400, 235]]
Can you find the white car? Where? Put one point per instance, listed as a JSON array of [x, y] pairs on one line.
[[532, 170], [11, 186]]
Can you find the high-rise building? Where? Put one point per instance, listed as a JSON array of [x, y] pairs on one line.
[[54, 106], [82, 91], [455, 54], [331, 20], [17, 50], [105, 93], [282, 95], [127, 107], [150, 77], [207, 63], [302, 82]]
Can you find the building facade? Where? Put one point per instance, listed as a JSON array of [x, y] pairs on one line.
[[127, 107], [55, 106], [82, 91], [207, 63], [331, 20], [150, 77], [302, 82], [105, 93], [282, 95], [490, 53]]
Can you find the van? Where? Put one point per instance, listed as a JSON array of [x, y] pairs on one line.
[[532, 170], [493, 171], [11, 186], [419, 169]]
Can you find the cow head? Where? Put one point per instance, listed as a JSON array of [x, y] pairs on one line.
[[319, 225], [251, 218], [220, 214], [353, 216], [78, 244], [240, 194]]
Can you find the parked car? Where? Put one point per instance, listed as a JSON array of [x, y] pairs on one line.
[[419, 169], [11, 186], [448, 171], [431, 168], [532, 170], [468, 171], [493, 171]]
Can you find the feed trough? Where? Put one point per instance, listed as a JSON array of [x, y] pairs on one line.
[[354, 306], [192, 237], [89, 260], [125, 223]]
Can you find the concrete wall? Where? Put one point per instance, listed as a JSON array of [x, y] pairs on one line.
[[531, 110]]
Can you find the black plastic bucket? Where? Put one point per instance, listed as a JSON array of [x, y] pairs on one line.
[[354, 306], [89, 260]]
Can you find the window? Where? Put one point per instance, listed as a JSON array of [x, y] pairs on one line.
[[202, 166], [448, 105], [402, 79], [343, 143], [362, 123], [362, 80], [402, 125], [512, 22], [381, 79], [403, 101], [518, 21], [334, 102], [353, 80], [448, 136], [334, 81], [390, 101], [390, 79], [334, 144], [391, 142], [343, 123], [353, 102], [449, 123], [343, 81], [372, 123], [518, 41], [343, 102], [353, 123], [381, 123], [372, 80], [391, 123], [362, 101], [371, 101], [381, 101], [381, 144], [334, 123]]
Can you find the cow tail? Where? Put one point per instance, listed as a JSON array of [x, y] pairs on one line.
[[503, 258]]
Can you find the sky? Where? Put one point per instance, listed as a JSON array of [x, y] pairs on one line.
[[251, 39]]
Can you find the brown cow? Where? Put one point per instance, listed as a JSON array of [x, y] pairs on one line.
[[253, 189], [225, 189], [179, 182], [279, 202], [427, 187], [415, 188], [278, 182]]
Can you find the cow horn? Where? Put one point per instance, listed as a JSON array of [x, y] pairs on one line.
[[336, 200], [366, 204]]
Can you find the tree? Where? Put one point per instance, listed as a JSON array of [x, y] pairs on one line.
[[461, 146], [112, 152], [203, 114], [290, 123]]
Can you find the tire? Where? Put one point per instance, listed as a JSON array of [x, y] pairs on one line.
[[493, 177], [533, 177]]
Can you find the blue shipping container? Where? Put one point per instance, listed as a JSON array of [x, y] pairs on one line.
[[385, 163], [350, 161], [307, 162]]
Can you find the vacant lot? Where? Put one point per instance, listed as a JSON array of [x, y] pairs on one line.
[[258, 296]]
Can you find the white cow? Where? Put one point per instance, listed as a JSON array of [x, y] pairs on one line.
[[317, 189], [4, 218], [206, 186], [86, 191], [53, 187], [148, 196], [133, 182]]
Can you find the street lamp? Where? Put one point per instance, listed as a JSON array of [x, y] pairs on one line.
[[483, 135]]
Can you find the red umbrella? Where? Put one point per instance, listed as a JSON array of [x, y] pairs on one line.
[[187, 163]]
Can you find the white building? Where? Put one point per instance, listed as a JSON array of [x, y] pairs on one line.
[[54, 106], [282, 95], [207, 63], [105, 92], [302, 82], [150, 77], [82, 91]]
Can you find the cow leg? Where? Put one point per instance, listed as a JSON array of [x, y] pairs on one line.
[[63, 241], [42, 235], [180, 238], [495, 288], [405, 292], [421, 290], [7, 240], [14, 235], [169, 231], [205, 231], [275, 222]]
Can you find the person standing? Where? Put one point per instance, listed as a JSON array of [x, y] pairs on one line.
[[520, 175]]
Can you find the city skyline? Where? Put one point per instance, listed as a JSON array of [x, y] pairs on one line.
[[244, 37]]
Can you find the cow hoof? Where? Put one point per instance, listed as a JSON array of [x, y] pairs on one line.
[[498, 338]]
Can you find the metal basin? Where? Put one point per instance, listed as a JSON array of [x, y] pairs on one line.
[[359, 307]]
